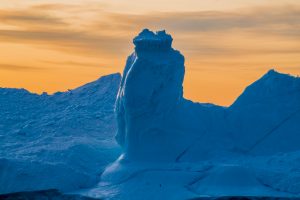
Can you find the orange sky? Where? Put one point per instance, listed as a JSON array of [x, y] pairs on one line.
[[49, 46]]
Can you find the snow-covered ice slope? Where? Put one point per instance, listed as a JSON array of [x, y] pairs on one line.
[[60, 141], [267, 113], [174, 148]]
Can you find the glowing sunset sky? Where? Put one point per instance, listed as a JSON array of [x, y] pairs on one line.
[[51, 45]]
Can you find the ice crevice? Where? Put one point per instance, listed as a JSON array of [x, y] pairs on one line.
[[283, 121]]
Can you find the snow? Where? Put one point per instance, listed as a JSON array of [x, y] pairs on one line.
[[60, 141], [172, 148]]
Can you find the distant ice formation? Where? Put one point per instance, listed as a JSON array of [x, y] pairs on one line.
[[62, 141]]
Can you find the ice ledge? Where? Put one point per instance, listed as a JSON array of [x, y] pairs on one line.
[[148, 41]]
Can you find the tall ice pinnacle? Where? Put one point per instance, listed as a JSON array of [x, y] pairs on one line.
[[151, 87]]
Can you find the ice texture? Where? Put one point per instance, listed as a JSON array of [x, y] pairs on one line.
[[61, 141]]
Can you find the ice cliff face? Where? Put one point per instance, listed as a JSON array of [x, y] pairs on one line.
[[150, 89]]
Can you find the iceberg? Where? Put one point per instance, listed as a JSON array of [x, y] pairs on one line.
[[174, 148]]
